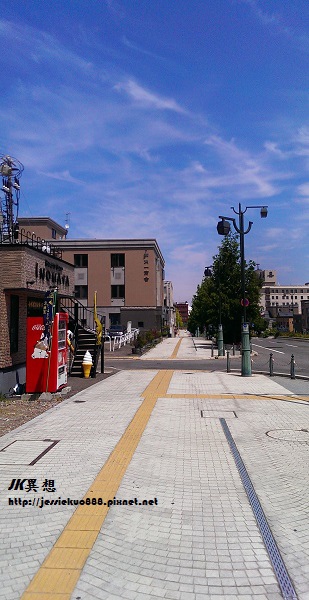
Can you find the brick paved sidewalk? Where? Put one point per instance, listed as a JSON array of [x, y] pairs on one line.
[[156, 436]]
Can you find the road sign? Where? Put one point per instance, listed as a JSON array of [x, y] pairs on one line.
[[244, 302]]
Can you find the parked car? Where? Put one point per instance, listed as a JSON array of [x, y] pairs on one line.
[[115, 330]]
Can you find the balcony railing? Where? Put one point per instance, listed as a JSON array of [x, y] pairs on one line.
[[26, 238]]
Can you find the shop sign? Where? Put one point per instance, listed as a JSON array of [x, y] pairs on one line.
[[51, 273], [146, 266], [34, 307]]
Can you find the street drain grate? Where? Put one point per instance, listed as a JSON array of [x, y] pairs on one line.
[[290, 435], [79, 401], [281, 573]]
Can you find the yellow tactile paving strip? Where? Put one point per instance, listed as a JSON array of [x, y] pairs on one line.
[[58, 575], [175, 351]]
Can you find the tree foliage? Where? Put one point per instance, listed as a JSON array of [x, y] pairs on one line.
[[218, 297], [179, 321]]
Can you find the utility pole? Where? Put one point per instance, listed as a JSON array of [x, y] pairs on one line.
[[10, 169]]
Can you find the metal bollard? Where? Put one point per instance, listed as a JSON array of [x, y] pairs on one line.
[[233, 349], [271, 365], [212, 349], [228, 362], [292, 367]]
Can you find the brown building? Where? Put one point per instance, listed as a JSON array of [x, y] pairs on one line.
[[183, 308], [29, 268], [43, 227], [128, 275]]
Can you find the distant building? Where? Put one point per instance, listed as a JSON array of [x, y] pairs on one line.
[[277, 298], [43, 227], [283, 304], [183, 308], [305, 315], [128, 275], [169, 311]]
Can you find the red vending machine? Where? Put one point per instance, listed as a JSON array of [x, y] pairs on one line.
[[46, 362]]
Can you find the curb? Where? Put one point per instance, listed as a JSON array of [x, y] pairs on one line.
[[287, 375]]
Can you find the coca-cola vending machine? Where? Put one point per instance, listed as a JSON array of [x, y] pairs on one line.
[[46, 362]]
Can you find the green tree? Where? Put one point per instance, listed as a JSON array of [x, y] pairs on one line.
[[218, 297], [179, 321]]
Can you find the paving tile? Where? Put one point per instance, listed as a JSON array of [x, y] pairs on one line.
[[201, 540]]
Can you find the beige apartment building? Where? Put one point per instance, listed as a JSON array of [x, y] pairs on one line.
[[282, 299], [128, 275], [44, 228]]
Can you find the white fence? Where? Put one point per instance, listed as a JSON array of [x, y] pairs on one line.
[[121, 340]]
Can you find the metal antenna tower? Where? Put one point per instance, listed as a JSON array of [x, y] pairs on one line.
[[11, 170]]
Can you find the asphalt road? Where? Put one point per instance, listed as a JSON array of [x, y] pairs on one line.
[[281, 349]]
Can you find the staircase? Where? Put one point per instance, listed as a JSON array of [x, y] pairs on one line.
[[84, 340], [82, 324]]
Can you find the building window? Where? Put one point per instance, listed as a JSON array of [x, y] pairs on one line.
[[140, 324], [114, 318], [81, 292], [117, 291], [14, 321], [117, 260], [80, 260], [54, 234]]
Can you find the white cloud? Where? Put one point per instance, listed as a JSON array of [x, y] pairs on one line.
[[247, 172], [148, 99], [62, 176], [303, 189], [40, 47], [137, 48], [278, 24]]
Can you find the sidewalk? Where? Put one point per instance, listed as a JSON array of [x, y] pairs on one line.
[[160, 437], [182, 347]]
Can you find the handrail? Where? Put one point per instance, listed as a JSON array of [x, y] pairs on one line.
[[83, 318], [79, 313]]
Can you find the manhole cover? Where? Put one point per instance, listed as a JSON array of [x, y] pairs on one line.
[[25, 452], [290, 435], [217, 414]]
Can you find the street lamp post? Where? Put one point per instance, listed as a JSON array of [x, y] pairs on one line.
[[223, 228]]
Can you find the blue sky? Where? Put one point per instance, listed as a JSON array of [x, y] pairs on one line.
[[150, 118]]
